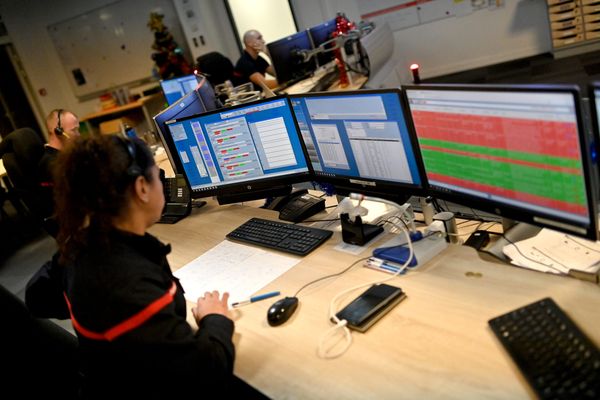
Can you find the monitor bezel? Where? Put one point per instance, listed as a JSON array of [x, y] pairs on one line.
[[178, 78], [507, 211], [277, 63], [330, 55], [259, 186], [395, 191], [168, 114]]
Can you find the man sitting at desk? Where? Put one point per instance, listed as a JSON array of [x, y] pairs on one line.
[[61, 125], [251, 67]]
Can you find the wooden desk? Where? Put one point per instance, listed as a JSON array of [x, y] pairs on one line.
[[143, 109], [435, 344], [304, 86]]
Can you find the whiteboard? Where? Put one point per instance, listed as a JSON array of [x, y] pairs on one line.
[[111, 46]]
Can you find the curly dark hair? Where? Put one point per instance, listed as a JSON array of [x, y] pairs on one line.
[[94, 177]]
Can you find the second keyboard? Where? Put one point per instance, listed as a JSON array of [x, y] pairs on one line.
[[289, 238]]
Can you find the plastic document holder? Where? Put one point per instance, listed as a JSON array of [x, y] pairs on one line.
[[397, 254]]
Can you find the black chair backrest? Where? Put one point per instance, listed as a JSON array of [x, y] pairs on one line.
[[21, 152], [216, 67]]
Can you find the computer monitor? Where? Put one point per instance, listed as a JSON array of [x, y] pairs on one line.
[[288, 65], [176, 88], [198, 101], [320, 34], [245, 152], [516, 150], [360, 142]]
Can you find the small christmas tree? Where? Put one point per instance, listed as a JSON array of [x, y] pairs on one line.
[[168, 56]]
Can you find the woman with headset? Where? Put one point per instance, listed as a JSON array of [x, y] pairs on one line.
[[127, 308]]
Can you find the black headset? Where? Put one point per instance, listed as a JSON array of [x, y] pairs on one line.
[[134, 170], [59, 129]]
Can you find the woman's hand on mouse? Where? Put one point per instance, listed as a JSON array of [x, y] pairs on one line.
[[211, 303]]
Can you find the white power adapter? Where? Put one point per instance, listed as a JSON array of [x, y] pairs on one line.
[[435, 226]]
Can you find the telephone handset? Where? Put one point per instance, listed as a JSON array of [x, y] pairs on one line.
[[176, 190], [297, 206], [177, 198]]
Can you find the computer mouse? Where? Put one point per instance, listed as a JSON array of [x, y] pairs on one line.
[[282, 310]]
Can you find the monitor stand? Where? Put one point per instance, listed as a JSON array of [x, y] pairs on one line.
[[513, 231], [254, 194]]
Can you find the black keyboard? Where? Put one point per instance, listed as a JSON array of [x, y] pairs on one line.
[[555, 356], [290, 238]]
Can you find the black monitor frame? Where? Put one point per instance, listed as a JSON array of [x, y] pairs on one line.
[[515, 212], [198, 101], [320, 34], [263, 187], [190, 104], [286, 62], [594, 119], [178, 79], [398, 192]]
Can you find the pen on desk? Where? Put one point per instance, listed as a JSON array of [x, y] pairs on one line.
[[383, 265], [256, 298]]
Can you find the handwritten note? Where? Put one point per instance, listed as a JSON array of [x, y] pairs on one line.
[[235, 268]]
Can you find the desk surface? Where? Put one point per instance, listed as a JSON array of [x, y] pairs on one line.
[[435, 344], [115, 110], [304, 86]]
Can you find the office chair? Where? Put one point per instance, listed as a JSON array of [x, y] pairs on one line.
[[41, 356], [21, 151], [216, 67]]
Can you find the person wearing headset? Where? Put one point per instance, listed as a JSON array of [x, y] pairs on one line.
[[251, 67], [62, 126], [113, 280]]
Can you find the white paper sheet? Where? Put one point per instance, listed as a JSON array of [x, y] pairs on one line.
[[235, 268], [555, 252]]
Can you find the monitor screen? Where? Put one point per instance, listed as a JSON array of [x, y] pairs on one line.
[[248, 148], [320, 34], [198, 101], [360, 141], [516, 150], [287, 64], [176, 88]]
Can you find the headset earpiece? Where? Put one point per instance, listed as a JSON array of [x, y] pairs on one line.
[[134, 170], [59, 129]]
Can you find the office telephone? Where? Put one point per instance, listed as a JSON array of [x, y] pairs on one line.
[[177, 199], [297, 206]]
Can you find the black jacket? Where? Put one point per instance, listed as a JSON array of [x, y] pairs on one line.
[[162, 356]]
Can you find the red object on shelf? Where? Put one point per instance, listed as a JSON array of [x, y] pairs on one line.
[[342, 26]]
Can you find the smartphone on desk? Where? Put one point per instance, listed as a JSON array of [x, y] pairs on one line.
[[370, 306]]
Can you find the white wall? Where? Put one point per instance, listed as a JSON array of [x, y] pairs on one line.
[[209, 19], [27, 20], [519, 29], [272, 18], [26, 23]]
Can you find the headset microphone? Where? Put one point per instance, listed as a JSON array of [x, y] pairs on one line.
[[59, 129]]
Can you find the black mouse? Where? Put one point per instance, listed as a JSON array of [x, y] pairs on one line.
[[282, 310]]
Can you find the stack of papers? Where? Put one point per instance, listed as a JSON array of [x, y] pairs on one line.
[[555, 252]]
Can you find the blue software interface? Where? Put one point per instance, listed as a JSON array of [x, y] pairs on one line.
[[176, 88], [361, 136], [249, 143]]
